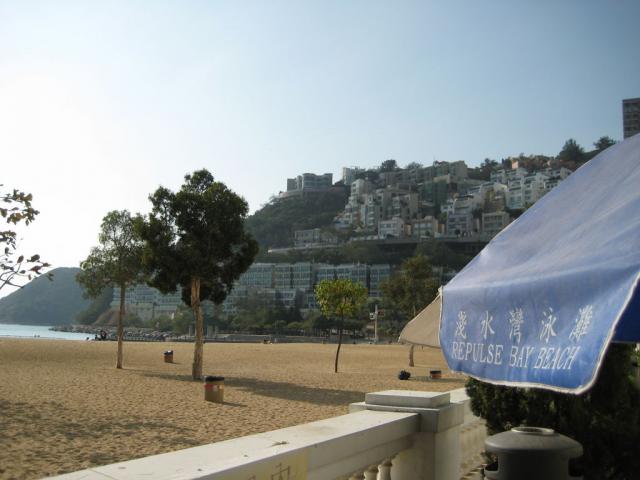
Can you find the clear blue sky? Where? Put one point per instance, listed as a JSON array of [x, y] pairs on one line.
[[101, 102]]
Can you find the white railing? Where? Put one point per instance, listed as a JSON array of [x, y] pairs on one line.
[[399, 435], [473, 432]]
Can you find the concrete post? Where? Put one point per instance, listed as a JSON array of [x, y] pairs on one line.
[[435, 453]]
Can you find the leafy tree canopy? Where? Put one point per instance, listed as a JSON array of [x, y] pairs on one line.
[[340, 298], [413, 166], [197, 232], [412, 288], [571, 154], [603, 143], [15, 207], [117, 261], [389, 166]]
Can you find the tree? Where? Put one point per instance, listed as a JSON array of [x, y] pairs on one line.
[[340, 299], [413, 166], [411, 289], [117, 262], [389, 166], [15, 207], [603, 143], [487, 166], [195, 239], [571, 154]]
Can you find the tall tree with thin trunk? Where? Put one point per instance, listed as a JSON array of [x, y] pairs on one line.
[[116, 262], [411, 289], [195, 240], [340, 299]]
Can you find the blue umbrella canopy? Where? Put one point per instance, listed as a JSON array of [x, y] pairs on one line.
[[541, 303]]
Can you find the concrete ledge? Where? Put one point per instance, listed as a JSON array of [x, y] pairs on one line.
[[324, 449], [431, 419], [407, 398]]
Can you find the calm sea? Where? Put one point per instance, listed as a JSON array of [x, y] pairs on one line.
[[38, 331]]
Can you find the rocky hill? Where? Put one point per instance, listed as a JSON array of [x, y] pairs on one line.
[[45, 302]]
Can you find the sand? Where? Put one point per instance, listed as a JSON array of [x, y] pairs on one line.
[[65, 407]]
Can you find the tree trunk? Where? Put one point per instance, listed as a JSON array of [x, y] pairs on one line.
[[196, 370], [339, 345], [411, 364], [121, 325]]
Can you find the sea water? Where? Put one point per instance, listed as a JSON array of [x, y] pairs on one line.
[[38, 331]]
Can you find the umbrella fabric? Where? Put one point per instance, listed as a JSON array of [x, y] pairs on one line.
[[424, 328], [540, 304]]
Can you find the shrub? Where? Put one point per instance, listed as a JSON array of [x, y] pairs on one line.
[[605, 419]]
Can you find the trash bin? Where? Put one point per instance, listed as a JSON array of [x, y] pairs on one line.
[[214, 389], [531, 453], [168, 356]]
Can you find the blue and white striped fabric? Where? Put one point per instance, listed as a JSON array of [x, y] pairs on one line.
[[540, 304]]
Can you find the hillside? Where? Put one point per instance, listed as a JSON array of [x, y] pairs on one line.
[[273, 225], [45, 302]]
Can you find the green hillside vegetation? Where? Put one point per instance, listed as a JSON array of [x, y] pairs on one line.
[[363, 252], [273, 225], [45, 302]]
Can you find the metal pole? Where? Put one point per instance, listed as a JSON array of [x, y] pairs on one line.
[[375, 325]]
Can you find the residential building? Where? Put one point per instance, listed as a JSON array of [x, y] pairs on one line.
[[349, 174], [378, 274], [238, 294], [460, 224], [493, 223], [282, 276], [360, 274], [302, 277], [424, 228], [310, 181], [343, 271], [534, 187], [325, 272], [147, 302], [310, 302], [287, 298], [515, 197], [631, 116], [436, 192], [394, 227], [258, 275], [313, 237]]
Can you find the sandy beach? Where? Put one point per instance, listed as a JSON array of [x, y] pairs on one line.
[[65, 407]]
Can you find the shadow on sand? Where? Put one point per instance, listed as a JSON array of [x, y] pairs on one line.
[[292, 391], [284, 390]]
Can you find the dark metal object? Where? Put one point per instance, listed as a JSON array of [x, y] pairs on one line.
[[531, 453]]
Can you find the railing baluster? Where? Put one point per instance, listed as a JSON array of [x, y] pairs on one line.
[[371, 473], [384, 470], [357, 476]]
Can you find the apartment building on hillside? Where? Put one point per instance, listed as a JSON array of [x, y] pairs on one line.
[[630, 117]]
